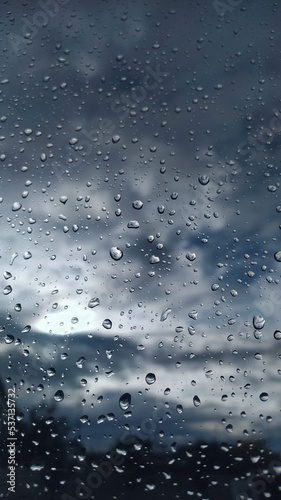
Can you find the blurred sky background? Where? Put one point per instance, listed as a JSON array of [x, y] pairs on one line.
[[104, 105]]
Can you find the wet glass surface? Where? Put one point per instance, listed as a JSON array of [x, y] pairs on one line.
[[140, 250]]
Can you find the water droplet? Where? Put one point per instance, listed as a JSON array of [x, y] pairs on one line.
[[80, 362], [125, 401], [63, 199], [277, 335], [8, 289], [133, 224], [107, 324], [165, 314], [26, 329], [191, 256], [204, 179], [27, 255], [258, 322], [16, 206], [179, 408], [59, 396], [277, 256], [51, 371], [193, 314], [93, 303], [196, 401], [150, 378], [137, 204], [116, 253], [154, 259], [229, 428], [115, 139], [84, 419], [264, 396], [28, 131]]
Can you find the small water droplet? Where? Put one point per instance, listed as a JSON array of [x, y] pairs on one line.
[[8, 289], [264, 396]]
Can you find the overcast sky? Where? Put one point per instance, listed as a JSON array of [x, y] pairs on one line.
[[126, 124]]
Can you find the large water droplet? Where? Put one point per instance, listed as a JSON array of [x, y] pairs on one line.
[[191, 256], [196, 401], [258, 322], [116, 253], [125, 401], [80, 362], [277, 256], [165, 314], [264, 396], [59, 396], [277, 335], [8, 289], [193, 314], [137, 204], [93, 303], [150, 378], [204, 179], [154, 259], [133, 224], [107, 324], [16, 206]]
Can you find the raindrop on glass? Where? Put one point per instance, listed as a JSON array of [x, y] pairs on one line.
[[59, 396], [116, 253], [125, 401], [258, 322], [150, 378], [107, 324]]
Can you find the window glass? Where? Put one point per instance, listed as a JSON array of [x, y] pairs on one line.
[[140, 249]]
